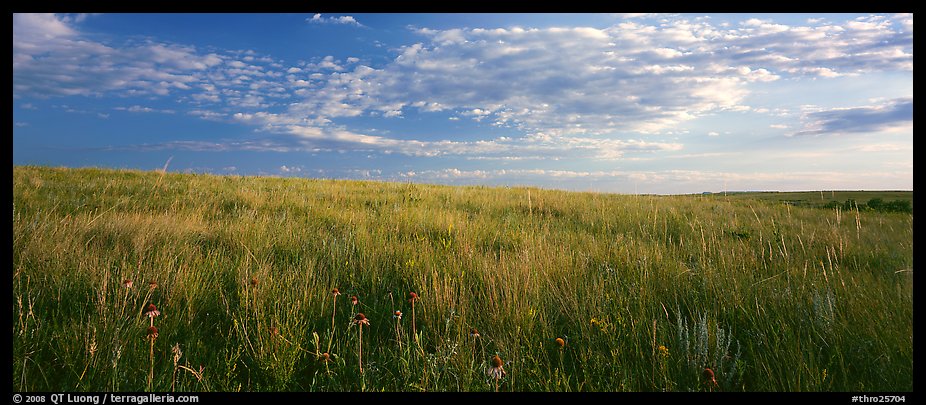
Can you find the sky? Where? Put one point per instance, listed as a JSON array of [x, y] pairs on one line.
[[616, 103]]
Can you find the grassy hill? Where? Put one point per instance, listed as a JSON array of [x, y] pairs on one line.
[[643, 291]]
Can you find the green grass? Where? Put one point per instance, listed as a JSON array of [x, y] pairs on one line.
[[772, 297]]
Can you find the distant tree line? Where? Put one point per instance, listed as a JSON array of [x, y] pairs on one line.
[[875, 204]]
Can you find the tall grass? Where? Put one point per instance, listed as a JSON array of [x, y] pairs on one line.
[[647, 290]]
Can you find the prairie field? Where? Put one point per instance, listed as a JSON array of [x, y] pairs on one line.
[[572, 291]]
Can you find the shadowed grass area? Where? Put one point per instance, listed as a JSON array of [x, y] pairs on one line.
[[645, 291]]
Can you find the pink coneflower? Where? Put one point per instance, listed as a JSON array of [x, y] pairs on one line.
[[474, 333], [560, 342], [412, 297], [152, 332], [151, 311], [497, 371], [335, 292], [354, 300], [361, 319], [324, 357], [397, 315], [127, 283], [152, 284]]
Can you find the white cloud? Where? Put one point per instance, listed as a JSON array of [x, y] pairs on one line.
[[141, 109], [566, 92], [50, 58], [290, 169], [574, 81], [344, 19]]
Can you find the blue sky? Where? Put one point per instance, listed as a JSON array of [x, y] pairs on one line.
[[623, 103]]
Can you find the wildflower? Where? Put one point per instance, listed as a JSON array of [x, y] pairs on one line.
[[663, 351], [127, 283], [152, 332], [497, 371], [397, 315], [361, 319], [474, 333], [707, 377], [335, 292], [560, 342], [412, 297], [152, 284], [151, 311], [324, 357], [354, 300]]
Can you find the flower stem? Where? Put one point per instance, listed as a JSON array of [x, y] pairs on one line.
[[334, 309], [151, 357]]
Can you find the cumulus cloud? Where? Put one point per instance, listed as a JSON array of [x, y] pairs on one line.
[[892, 114], [344, 19], [51, 58], [567, 92], [586, 81]]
